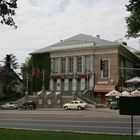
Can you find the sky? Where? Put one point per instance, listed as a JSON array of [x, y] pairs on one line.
[[45, 22]]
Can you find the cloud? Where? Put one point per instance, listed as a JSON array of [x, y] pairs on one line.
[[44, 22]]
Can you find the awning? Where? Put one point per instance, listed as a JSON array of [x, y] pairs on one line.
[[133, 80], [104, 88]]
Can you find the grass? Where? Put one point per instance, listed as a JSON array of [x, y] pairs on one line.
[[13, 134]]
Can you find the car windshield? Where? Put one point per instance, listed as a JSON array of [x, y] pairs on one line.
[[114, 103]]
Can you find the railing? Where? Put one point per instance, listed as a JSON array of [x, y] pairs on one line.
[[85, 96]]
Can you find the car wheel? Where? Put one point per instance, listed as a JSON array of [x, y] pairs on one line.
[[79, 108], [66, 108], [11, 107]]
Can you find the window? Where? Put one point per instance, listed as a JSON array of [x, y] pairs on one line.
[[106, 70], [55, 65], [63, 65], [87, 63], [79, 64], [70, 65]]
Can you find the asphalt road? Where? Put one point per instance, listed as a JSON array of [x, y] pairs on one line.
[[89, 121]]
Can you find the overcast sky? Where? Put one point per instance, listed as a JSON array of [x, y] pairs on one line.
[[45, 22]]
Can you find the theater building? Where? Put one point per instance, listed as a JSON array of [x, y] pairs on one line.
[[89, 67]]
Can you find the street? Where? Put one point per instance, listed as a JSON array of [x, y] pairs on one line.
[[88, 121]]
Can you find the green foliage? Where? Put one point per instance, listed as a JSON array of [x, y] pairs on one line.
[[9, 79], [133, 21], [13, 62], [26, 71], [9, 82], [7, 11], [38, 61], [41, 61], [11, 134]]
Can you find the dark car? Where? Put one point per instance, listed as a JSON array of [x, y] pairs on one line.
[[28, 105], [114, 104]]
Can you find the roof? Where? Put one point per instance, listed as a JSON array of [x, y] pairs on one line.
[[2, 70], [75, 40]]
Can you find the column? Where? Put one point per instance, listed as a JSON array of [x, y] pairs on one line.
[[52, 69], [74, 65], [91, 63], [83, 64], [91, 82], [59, 65], [74, 84], [66, 82], [67, 65], [51, 85], [82, 84]]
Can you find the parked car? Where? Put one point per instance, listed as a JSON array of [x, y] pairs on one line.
[[114, 104], [77, 104], [28, 105], [9, 106]]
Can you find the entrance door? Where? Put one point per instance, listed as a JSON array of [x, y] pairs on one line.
[[103, 99]]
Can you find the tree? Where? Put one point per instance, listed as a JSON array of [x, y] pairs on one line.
[[9, 78], [133, 21], [9, 83], [7, 11], [12, 60], [34, 67], [26, 70]]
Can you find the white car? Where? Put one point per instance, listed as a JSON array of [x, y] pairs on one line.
[[9, 106], [75, 105]]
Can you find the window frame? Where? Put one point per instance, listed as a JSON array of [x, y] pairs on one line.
[[106, 72], [55, 65], [70, 64], [63, 65], [79, 64]]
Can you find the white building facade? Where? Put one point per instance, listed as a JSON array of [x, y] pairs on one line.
[[72, 71], [76, 66]]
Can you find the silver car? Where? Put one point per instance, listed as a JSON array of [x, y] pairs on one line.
[[9, 106]]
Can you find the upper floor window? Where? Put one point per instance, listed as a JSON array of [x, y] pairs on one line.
[[79, 64], [63, 65], [106, 70], [70, 65]]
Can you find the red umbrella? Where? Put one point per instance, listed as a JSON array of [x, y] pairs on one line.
[[135, 93], [113, 93]]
